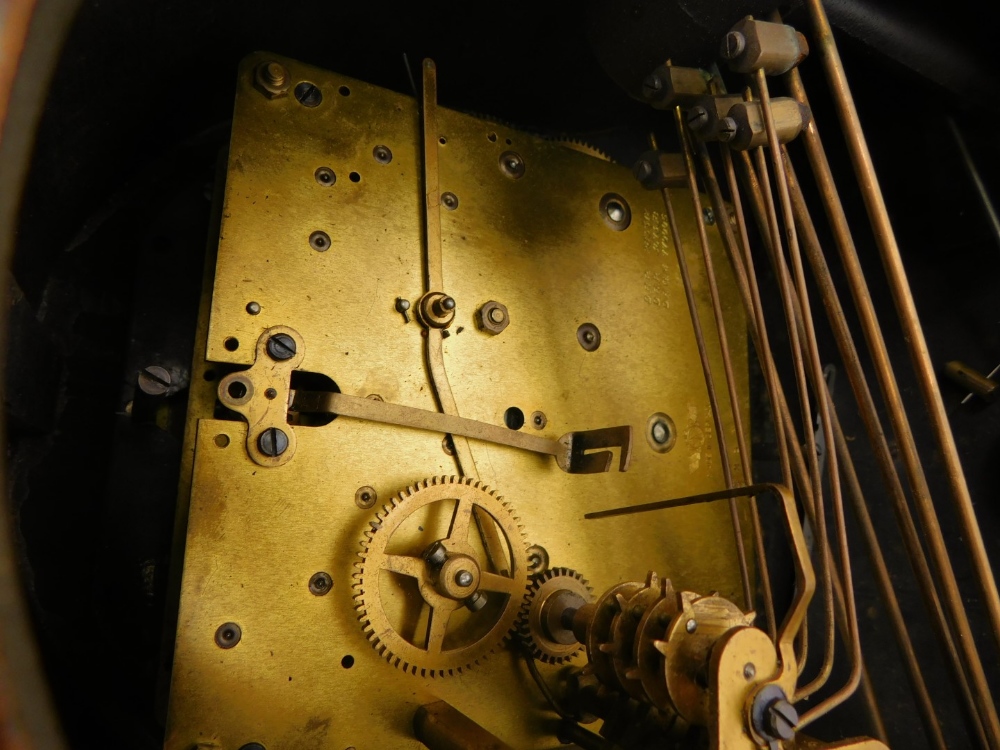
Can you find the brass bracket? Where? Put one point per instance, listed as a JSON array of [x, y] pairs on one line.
[[571, 451], [261, 396]]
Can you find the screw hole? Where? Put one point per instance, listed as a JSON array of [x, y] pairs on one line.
[[222, 440], [442, 140], [661, 433], [508, 141], [589, 336], [492, 137], [237, 390], [347, 662], [513, 418], [616, 212], [308, 94], [344, 91], [319, 241], [325, 176], [228, 635], [232, 344], [354, 177], [320, 584]]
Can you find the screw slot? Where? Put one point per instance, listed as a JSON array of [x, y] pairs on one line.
[[320, 241], [511, 164], [228, 635], [589, 337], [281, 347], [308, 94], [326, 176], [615, 211], [272, 442], [320, 584]]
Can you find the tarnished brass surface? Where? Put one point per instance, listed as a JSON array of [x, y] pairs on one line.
[[539, 245]]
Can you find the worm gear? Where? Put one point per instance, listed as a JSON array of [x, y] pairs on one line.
[[469, 599], [551, 593]]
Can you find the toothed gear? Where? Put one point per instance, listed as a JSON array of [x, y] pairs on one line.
[[544, 644], [504, 582], [583, 147]]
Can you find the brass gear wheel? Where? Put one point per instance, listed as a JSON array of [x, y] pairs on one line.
[[552, 642], [449, 573]]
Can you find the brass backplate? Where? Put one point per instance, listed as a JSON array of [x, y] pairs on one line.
[[540, 246]]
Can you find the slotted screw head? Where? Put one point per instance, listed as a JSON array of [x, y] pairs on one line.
[[281, 347], [727, 129], [652, 85], [272, 442], [154, 380], [697, 118], [782, 719]]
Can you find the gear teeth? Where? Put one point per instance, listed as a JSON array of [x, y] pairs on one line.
[[535, 583], [374, 534]]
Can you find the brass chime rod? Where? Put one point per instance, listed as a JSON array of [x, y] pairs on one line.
[[956, 614], [713, 396], [727, 366], [906, 308]]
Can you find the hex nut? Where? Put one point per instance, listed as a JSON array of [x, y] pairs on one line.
[[492, 317], [271, 79]]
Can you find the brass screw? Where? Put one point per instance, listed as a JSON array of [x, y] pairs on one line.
[[274, 74]]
